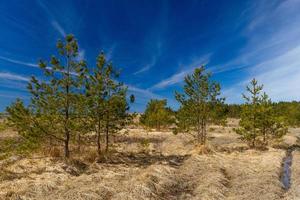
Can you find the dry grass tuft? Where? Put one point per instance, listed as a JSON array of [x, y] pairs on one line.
[[203, 149]]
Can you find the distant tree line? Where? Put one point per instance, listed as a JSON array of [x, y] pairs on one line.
[[290, 111]]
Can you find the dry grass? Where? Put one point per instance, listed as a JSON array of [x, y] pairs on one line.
[[173, 167], [252, 173]]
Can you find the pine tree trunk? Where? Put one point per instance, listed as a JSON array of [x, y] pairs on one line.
[[253, 142], [203, 131], [67, 151], [50, 143], [265, 135], [158, 126], [98, 139], [199, 131], [106, 148], [79, 142], [107, 130], [67, 131]]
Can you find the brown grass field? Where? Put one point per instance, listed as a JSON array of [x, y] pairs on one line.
[[168, 167]]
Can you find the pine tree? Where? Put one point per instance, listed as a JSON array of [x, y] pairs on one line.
[[55, 99], [115, 109], [258, 121], [157, 114], [198, 103], [250, 113], [106, 101], [21, 118], [96, 96], [183, 120]]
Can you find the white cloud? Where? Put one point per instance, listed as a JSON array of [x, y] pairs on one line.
[[147, 67], [16, 77], [110, 52], [271, 54], [144, 92], [18, 62], [13, 96], [144, 95], [280, 77], [179, 77], [157, 49], [58, 28], [55, 24], [176, 78], [81, 55]]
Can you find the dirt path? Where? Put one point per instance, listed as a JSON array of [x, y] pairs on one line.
[[200, 177]]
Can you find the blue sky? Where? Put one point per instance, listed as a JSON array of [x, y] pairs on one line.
[[156, 43]]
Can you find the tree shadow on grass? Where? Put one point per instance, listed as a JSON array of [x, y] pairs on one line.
[[143, 159], [138, 139]]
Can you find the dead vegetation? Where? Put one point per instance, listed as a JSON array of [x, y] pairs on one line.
[[171, 168]]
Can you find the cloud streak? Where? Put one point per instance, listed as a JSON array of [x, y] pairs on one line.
[[18, 62], [55, 24], [147, 67], [58, 28], [14, 96], [179, 77], [15, 77], [144, 92], [157, 53], [272, 57]]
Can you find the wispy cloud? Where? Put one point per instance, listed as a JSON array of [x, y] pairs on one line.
[[157, 49], [179, 77], [147, 67], [16, 77], [18, 62], [176, 78], [55, 24], [144, 92], [14, 96], [281, 76], [144, 95], [58, 28], [271, 54], [81, 55], [272, 30], [110, 52]]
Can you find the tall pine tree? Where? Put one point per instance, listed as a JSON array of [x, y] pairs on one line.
[[55, 100], [199, 103]]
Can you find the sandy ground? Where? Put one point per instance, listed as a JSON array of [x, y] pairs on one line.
[[173, 167]]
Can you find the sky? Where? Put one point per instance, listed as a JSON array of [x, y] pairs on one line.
[[157, 43]]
